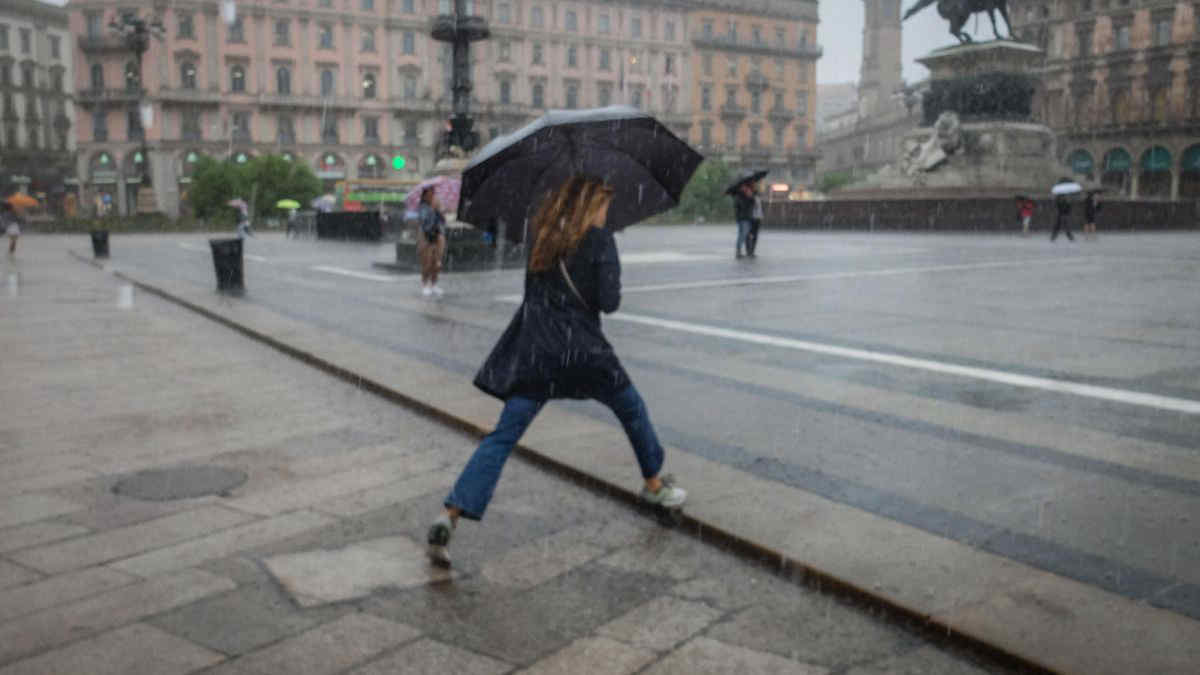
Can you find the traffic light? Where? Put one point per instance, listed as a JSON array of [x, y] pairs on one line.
[[398, 162]]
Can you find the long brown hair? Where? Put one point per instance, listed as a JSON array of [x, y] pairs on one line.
[[564, 218]]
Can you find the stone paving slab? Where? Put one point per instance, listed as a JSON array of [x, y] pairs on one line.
[[58, 590], [597, 655], [429, 656], [134, 650], [704, 656]]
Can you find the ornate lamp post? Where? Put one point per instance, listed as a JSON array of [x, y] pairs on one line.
[[136, 32], [460, 30]]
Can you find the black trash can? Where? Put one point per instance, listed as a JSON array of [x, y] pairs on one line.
[[227, 260], [100, 243]]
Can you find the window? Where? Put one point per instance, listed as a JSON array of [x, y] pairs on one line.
[[537, 54], [55, 47], [368, 39], [755, 130], [326, 82], [237, 79], [708, 29], [410, 87], [505, 52], [187, 75], [669, 31], [572, 20], [368, 5], [779, 102], [189, 125], [539, 96], [733, 66], [329, 130], [604, 94], [97, 76], [1121, 41], [780, 37], [100, 125], [537, 18], [802, 103], [505, 92], [572, 56], [371, 130], [409, 7], [132, 78], [283, 33], [3, 37], [779, 67], [572, 96], [33, 138], [186, 28], [706, 97], [669, 64], [369, 86], [731, 134], [241, 127], [56, 80], [731, 30], [1162, 32], [756, 102], [503, 13], [237, 31], [411, 135], [604, 24], [635, 27], [730, 96], [605, 58], [325, 36], [27, 77], [706, 134], [636, 98], [283, 80], [95, 26], [26, 40], [134, 125], [285, 130], [757, 35], [409, 43], [706, 66]]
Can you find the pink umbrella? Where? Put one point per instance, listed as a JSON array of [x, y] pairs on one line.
[[445, 188], [240, 205]]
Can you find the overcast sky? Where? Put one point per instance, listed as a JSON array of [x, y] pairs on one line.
[[841, 35]]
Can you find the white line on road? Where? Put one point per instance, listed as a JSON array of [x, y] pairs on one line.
[[354, 274], [653, 257], [200, 249]]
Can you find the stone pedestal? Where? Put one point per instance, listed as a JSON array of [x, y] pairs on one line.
[[979, 137]]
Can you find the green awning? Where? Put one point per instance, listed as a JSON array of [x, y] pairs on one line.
[[1157, 158], [1191, 159], [376, 196], [1081, 162], [1117, 160]]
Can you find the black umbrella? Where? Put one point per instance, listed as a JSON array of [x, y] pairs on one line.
[[646, 164], [748, 176]]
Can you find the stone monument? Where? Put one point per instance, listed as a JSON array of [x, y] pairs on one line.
[[978, 137]]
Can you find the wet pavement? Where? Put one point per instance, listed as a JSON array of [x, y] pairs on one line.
[[313, 564]]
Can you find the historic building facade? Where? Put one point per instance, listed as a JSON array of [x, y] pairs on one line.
[[863, 138], [37, 115], [753, 98], [1120, 90], [345, 85]]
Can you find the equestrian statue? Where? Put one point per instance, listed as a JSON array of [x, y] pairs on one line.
[[958, 11]]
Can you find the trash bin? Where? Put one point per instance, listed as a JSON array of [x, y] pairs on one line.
[[227, 260], [100, 243]]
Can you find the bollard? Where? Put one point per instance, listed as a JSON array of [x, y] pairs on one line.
[[100, 243], [227, 260]]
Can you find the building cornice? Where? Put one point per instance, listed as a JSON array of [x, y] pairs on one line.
[[36, 10]]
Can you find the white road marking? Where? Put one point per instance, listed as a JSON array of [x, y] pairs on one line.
[[354, 274], [652, 257], [791, 279], [200, 249]]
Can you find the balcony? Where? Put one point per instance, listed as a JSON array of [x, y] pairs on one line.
[[241, 136], [733, 111], [189, 96], [724, 42], [371, 140], [279, 101], [96, 44], [782, 114], [91, 97], [286, 139]]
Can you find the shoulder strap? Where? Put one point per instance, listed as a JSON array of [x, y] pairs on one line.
[[562, 267]]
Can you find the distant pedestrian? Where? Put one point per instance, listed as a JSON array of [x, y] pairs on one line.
[[554, 348], [747, 208], [291, 224], [431, 244], [1091, 208], [11, 225], [1063, 219], [243, 227], [1025, 210]]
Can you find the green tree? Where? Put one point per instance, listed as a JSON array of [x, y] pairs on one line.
[[834, 180], [214, 183], [271, 178], [704, 197]]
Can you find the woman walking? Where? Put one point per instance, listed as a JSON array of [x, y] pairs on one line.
[[554, 348], [11, 225], [747, 210], [431, 244], [1063, 219], [1091, 207]]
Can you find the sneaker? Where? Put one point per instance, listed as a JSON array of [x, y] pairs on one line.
[[668, 496], [439, 539], [437, 290], [427, 290]]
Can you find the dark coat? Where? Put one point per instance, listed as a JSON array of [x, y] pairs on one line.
[[1090, 208], [554, 346], [743, 206], [432, 221], [1063, 204]]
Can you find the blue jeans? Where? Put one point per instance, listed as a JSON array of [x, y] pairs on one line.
[[473, 490], [743, 230]]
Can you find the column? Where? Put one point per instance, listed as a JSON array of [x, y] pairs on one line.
[[212, 53], [1175, 177]]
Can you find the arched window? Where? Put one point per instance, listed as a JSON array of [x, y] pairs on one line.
[[1155, 178], [237, 79], [1117, 165], [368, 85], [1189, 173], [283, 80], [97, 76], [187, 75], [327, 82], [371, 167], [539, 96], [1080, 162]]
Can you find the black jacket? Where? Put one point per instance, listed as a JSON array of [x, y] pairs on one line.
[[1063, 204], [554, 346], [743, 206], [1090, 209], [431, 220]]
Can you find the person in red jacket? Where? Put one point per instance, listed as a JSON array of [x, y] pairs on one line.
[[1025, 208]]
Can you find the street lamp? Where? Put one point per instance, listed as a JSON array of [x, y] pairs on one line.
[[460, 30], [135, 32]]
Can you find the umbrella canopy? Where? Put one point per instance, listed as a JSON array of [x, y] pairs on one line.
[[287, 204], [646, 164], [747, 176], [324, 203], [445, 188], [1067, 188], [20, 200]]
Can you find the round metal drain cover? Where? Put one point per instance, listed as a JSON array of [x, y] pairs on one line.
[[181, 482]]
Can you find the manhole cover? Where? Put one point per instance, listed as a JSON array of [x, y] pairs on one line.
[[182, 482]]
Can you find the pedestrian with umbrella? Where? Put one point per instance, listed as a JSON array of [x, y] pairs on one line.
[[1091, 207], [11, 225], [587, 173], [431, 242], [290, 205], [747, 210], [1062, 221]]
